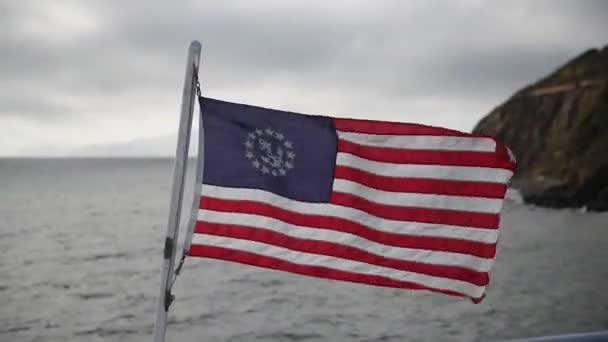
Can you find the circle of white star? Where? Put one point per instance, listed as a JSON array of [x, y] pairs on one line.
[[270, 152]]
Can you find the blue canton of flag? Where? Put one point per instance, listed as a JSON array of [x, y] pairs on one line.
[[289, 154]]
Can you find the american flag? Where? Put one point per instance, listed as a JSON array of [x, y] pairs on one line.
[[382, 203]]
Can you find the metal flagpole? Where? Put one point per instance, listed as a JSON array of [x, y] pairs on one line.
[[179, 173]]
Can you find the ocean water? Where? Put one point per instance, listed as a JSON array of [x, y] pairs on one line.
[[81, 243]]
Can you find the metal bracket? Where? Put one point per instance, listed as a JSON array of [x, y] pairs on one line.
[[168, 248], [169, 297]]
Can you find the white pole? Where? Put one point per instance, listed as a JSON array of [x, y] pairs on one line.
[[179, 172]]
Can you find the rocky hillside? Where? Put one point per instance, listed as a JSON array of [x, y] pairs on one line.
[[558, 131]]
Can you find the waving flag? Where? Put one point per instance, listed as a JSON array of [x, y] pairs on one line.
[[381, 203]]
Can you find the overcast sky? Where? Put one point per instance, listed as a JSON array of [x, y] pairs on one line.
[[108, 74]]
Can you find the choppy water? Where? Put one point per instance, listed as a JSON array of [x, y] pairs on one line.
[[81, 250]]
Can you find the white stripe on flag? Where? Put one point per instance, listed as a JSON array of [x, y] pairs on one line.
[[407, 199], [337, 263], [300, 232], [464, 173], [421, 142], [351, 214]]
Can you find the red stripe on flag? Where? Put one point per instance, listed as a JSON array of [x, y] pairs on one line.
[[422, 185], [340, 251], [316, 271], [429, 157], [392, 128], [480, 249], [503, 153], [439, 216]]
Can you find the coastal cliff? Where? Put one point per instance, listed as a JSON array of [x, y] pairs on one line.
[[557, 129]]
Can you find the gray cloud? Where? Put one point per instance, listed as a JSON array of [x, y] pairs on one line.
[[35, 108], [113, 69]]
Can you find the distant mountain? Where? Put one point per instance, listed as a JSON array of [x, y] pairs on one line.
[[162, 146], [558, 130]]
